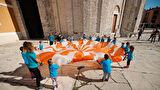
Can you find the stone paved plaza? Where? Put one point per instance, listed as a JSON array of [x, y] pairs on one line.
[[143, 74]]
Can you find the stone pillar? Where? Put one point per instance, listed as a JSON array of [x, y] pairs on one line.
[[121, 17], [90, 16], [46, 16], [86, 14], [20, 20], [140, 14], [130, 16], [77, 11]]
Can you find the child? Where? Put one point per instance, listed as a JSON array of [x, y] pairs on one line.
[[50, 38], [70, 39], [53, 72], [35, 48], [123, 46], [106, 67], [84, 36], [40, 45], [102, 39], [108, 39], [64, 39], [129, 56], [33, 62], [61, 41], [98, 39], [114, 41], [126, 49], [23, 53], [90, 37]]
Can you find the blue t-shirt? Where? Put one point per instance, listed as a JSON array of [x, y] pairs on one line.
[[114, 42], [24, 57], [126, 49], [106, 65], [84, 37], [90, 37], [40, 46], [98, 39], [61, 41], [51, 38], [70, 39], [130, 57], [102, 40], [32, 63], [123, 46], [108, 39], [53, 68]]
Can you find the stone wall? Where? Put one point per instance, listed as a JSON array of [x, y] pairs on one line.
[[108, 7], [46, 16], [88, 16], [131, 16]]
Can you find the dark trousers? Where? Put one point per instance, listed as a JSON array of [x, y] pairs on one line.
[[37, 73], [50, 43], [150, 36], [128, 62], [153, 39], [139, 35]]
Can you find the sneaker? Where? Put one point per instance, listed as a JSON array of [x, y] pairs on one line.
[[33, 77], [126, 67], [40, 88], [56, 86]]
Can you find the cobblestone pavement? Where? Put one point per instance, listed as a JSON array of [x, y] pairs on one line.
[[143, 73]]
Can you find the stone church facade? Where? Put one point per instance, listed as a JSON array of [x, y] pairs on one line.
[[36, 18]]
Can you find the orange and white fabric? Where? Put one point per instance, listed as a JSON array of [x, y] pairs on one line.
[[70, 52]]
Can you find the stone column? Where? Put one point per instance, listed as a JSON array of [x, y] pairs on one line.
[[90, 16], [46, 16], [140, 14], [20, 20]]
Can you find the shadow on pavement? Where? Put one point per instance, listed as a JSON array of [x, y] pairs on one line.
[[64, 70]]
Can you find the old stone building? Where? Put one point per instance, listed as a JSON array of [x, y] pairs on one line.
[[152, 17], [32, 19]]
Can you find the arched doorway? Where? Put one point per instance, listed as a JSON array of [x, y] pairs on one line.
[[115, 13]]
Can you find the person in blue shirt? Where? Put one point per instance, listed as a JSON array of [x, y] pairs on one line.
[[50, 38], [40, 45], [126, 49], [61, 40], [106, 67], [122, 46], [98, 39], [102, 39], [70, 39], [23, 53], [108, 39], [53, 72], [84, 36], [33, 62], [114, 41], [90, 37], [129, 56]]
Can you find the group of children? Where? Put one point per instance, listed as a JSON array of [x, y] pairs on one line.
[[32, 61], [102, 39], [107, 62]]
